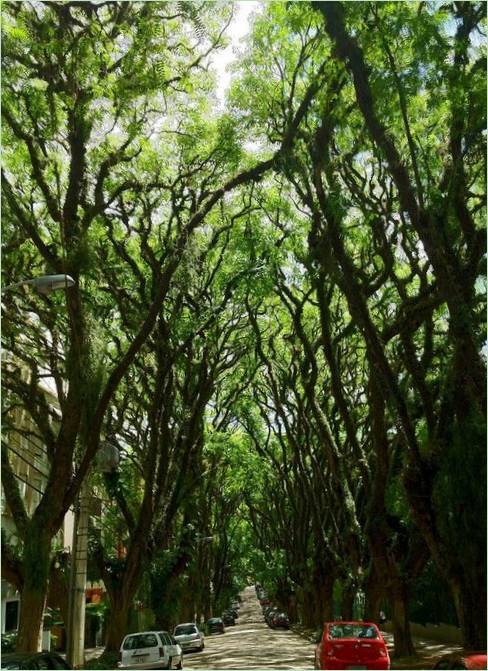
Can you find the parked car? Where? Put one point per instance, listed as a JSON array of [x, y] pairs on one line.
[[175, 650], [33, 660], [150, 650], [279, 620], [462, 660], [228, 618], [215, 626], [189, 636], [234, 611], [270, 613], [351, 645]]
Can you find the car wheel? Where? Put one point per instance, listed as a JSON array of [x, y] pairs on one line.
[[170, 663], [180, 665], [202, 647]]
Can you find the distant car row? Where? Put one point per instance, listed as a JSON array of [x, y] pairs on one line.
[[273, 616], [216, 625]]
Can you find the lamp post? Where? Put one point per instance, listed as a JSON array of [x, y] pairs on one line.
[[44, 284], [106, 461]]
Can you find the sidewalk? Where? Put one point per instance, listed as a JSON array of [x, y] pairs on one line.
[[427, 652]]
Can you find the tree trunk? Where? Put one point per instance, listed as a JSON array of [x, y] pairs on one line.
[[471, 616], [401, 625], [324, 603], [36, 566], [118, 620], [307, 608], [292, 608], [58, 592], [347, 604], [372, 603]]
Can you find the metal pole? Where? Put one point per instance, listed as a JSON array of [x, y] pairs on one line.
[[76, 612]]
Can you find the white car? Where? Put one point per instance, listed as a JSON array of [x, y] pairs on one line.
[[189, 636], [150, 650]]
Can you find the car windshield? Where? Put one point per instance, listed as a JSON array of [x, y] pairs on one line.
[[352, 631], [140, 641], [185, 629]]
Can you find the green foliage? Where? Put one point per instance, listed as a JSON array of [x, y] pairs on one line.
[[252, 443]]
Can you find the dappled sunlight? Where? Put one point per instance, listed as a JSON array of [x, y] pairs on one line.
[[253, 647], [251, 644], [427, 652]]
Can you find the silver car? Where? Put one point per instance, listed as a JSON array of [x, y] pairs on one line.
[[189, 636]]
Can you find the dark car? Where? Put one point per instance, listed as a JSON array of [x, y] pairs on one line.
[[280, 620], [228, 619], [215, 626], [33, 660], [234, 612], [462, 660], [270, 613]]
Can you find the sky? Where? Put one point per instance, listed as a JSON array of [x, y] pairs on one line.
[[237, 30]]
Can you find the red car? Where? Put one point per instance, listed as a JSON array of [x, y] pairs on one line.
[[351, 645], [462, 660]]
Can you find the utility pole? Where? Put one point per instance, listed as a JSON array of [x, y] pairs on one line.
[[77, 591]]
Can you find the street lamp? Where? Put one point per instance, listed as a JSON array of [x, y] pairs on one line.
[[44, 284], [107, 461]]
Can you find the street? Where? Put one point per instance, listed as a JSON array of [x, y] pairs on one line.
[[251, 644]]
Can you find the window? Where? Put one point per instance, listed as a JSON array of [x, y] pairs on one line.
[[352, 631], [165, 638], [185, 630], [11, 615], [140, 641]]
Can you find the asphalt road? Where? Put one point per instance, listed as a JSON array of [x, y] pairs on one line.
[[251, 644]]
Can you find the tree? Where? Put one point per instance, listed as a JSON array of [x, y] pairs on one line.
[[81, 82]]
